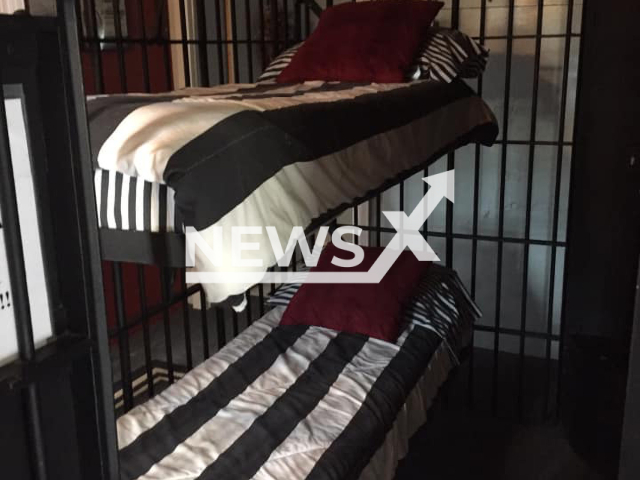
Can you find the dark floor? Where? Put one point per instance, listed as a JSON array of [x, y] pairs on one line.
[[457, 443]]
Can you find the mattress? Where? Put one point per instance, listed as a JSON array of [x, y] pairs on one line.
[[268, 155], [294, 402]]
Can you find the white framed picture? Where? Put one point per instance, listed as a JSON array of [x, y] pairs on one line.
[[30, 235]]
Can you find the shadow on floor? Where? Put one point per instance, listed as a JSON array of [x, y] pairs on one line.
[[455, 445]]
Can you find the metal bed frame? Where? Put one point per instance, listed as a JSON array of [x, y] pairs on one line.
[[167, 250]]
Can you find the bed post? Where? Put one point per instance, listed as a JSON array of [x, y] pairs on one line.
[[75, 101]]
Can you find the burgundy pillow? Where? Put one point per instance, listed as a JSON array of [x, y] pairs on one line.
[[374, 41], [370, 309]]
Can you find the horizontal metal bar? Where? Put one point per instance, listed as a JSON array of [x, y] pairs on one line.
[[516, 332], [551, 143], [529, 36], [185, 41], [468, 236], [161, 40]]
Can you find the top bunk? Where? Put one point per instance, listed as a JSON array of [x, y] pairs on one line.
[[278, 153]]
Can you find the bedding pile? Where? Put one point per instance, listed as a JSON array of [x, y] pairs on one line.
[[269, 154], [296, 402]]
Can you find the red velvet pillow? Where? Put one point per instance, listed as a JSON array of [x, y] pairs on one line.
[[374, 41], [370, 309]]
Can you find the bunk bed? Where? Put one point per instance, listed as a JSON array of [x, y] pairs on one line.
[[277, 401]]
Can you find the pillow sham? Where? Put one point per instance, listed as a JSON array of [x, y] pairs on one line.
[[449, 54], [373, 41], [374, 309]]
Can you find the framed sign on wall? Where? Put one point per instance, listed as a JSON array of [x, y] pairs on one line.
[[30, 232]]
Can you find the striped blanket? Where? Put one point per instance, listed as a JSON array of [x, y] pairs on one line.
[[270, 154], [298, 402], [288, 403]]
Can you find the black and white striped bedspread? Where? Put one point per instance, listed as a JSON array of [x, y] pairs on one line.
[[274, 155], [291, 403]]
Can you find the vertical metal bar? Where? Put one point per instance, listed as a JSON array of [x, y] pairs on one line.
[[307, 19], [97, 52], [145, 330], [202, 45], [425, 189], [556, 210], [165, 282], [249, 308], [234, 42], [123, 338], [455, 14], [247, 23], [356, 223], [261, 298], [476, 214], [18, 276], [455, 21], [185, 44], [187, 323], [286, 23], [205, 324], [122, 70], [263, 44], [76, 105], [378, 219], [449, 217], [221, 76], [36, 439], [401, 195], [503, 168], [145, 52], [527, 227], [236, 328], [275, 27], [222, 329], [297, 25]]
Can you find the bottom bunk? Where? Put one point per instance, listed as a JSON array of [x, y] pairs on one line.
[[296, 401]]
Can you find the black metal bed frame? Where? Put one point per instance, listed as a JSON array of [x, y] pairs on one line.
[[274, 36]]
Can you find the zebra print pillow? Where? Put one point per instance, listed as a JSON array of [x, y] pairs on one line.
[[279, 64], [449, 54]]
